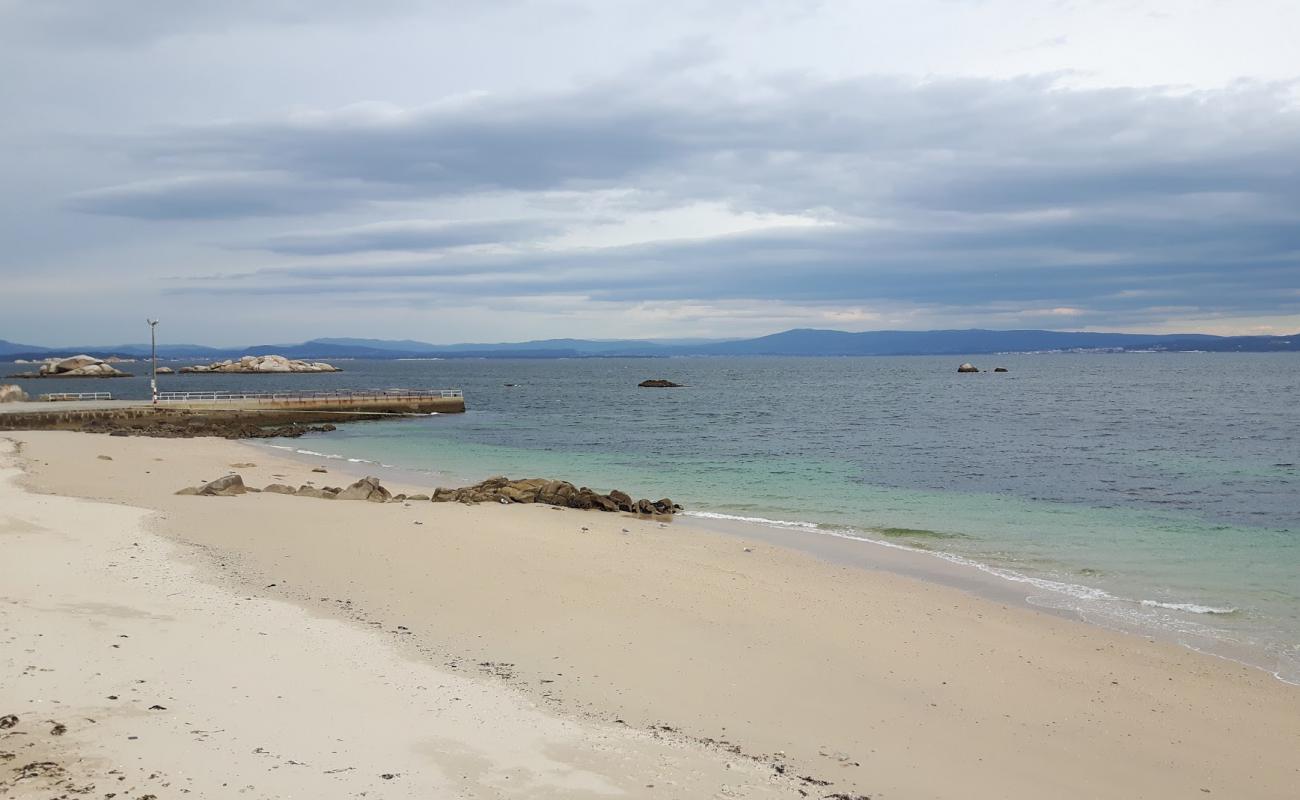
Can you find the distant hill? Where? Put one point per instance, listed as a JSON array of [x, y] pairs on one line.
[[839, 343], [798, 342], [13, 348]]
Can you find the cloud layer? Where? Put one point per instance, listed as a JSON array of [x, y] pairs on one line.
[[682, 176]]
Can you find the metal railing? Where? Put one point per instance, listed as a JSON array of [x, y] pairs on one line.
[[54, 397], [339, 397]]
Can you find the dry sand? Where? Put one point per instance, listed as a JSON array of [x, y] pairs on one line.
[[523, 651]]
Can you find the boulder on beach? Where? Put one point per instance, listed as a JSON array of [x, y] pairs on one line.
[[261, 365], [967, 367], [280, 488], [229, 486], [9, 393], [366, 489], [658, 383]]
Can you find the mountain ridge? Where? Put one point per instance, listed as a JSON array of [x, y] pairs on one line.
[[793, 342]]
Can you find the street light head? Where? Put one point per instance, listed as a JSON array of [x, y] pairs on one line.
[[152, 321]]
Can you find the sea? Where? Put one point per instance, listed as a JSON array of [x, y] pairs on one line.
[[1157, 493]]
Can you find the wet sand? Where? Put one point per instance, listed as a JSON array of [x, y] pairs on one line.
[[767, 669]]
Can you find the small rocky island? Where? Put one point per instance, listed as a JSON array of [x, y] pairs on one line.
[[659, 383], [260, 365], [82, 366]]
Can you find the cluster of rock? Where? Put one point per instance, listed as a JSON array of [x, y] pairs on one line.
[[10, 393], [81, 366], [658, 383], [181, 425], [969, 367], [262, 364], [364, 489], [554, 493], [492, 490]]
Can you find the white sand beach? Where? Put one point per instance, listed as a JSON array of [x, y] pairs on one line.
[[278, 646]]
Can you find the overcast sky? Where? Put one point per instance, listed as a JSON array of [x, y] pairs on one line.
[[275, 170]]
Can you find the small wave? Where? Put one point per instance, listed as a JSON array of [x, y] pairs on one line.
[[1194, 608], [775, 523]]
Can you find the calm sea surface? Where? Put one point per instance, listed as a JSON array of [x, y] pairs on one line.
[[1148, 491]]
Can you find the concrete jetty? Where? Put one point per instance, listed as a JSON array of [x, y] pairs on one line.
[[227, 414]]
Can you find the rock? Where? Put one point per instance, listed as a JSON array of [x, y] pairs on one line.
[[967, 367], [560, 494], [104, 458], [418, 497], [165, 371], [8, 721], [659, 383], [229, 486], [10, 393], [622, 499], [188, 490], [1000, 369], [82, 366], [280, 488], [366, 489], [311, 491], [267, 364], [319, 469]]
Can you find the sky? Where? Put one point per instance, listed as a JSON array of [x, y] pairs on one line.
[[276, 170]]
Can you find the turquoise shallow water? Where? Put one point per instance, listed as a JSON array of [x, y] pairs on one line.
[[1150, 492]]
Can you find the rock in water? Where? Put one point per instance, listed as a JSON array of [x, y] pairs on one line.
[[658, 383], [967, 367], [9, 393], [1000, 369], [228, 486], [366, 489], [82, 366]]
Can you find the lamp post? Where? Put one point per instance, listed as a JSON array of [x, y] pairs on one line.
[[153, 358]]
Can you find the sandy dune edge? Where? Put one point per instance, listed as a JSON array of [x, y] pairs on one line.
[[878, 684], [168, 686]]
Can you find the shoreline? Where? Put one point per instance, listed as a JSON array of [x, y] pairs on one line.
[[926, 690], [843, 547]]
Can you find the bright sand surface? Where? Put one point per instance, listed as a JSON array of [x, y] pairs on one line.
[[306, 648]]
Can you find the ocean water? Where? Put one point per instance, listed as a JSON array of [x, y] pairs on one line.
[[1149, 492]]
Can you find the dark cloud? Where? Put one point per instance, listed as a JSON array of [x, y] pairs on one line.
[[944, 191], [216, 196], [405, 236]]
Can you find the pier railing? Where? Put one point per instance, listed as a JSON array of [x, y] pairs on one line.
[[321, 398], [61, 396]]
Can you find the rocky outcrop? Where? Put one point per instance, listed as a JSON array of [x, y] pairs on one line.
[[82, 366], [1000, 369], [229, 486], [9, 393], [165, 370], [555, 493], [261, 365], [493, 490], [659, 383], [366, 489], [967, 367]]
